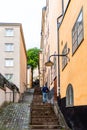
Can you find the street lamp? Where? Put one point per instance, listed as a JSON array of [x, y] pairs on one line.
[[49, 63]]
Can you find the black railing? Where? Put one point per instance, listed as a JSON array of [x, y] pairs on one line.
[[2, 81], [10, 85]]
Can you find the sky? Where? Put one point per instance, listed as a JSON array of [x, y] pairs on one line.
[[26, 12]]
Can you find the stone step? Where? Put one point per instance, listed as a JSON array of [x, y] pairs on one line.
[[49, 114], [41, 108], [37, 103], [44, 120], [46, 127], [34, 103], [36, 100], [37, 92], [44, 123], [42, 104], [37, 96], [42, 115], [39, 114]]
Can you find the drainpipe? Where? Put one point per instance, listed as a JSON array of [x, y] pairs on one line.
[[63, 7], [58, 25]]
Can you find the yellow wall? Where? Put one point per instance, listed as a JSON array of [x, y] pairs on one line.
[[76, 70], [54, 10]]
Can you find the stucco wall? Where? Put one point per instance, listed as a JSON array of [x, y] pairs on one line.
[[23, 64], [9, 95], [51, 47], [2, 96], [6, 95], [76, 70]]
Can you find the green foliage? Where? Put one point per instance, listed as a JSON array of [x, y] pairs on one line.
[[33, 57]]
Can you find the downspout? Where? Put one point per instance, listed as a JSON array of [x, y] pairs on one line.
[[63, 7], [58, 26]]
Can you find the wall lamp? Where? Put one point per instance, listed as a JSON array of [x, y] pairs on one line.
[[49, 63]]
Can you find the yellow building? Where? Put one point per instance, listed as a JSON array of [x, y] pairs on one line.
[[65, 27], [72, 34]]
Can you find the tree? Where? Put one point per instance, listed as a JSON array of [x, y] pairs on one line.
[[33, 60]]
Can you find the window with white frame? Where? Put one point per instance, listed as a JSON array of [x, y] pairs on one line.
[[9, 62], [64, 58], [9, 77], [77, 32], [9, 32], [9, 47]]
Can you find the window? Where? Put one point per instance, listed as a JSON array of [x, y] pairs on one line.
[[64, 58], [77, 32], [69, 96], [9, 47], [9, 62], [9, 77], [9, 32]]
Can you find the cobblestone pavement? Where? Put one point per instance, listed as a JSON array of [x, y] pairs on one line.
[[16, 115]]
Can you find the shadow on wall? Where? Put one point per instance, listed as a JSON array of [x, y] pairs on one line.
[[76, 117]]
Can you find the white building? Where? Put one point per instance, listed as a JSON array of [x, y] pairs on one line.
[[13, 61]]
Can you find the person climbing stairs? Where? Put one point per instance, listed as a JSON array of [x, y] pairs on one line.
[[43, 115]]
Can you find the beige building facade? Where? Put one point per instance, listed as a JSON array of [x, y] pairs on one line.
[[13, 61], [49, 41], [52, 16]]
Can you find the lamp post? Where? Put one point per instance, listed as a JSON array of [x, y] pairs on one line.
[[49, 63]]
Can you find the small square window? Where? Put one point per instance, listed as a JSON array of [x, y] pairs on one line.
[[9, 77], [9, 32], [9, 47], [9, 62]]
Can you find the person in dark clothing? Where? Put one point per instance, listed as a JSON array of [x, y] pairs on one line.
[[45, 91]]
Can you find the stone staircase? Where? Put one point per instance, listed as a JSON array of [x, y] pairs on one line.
[[43, 115]]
